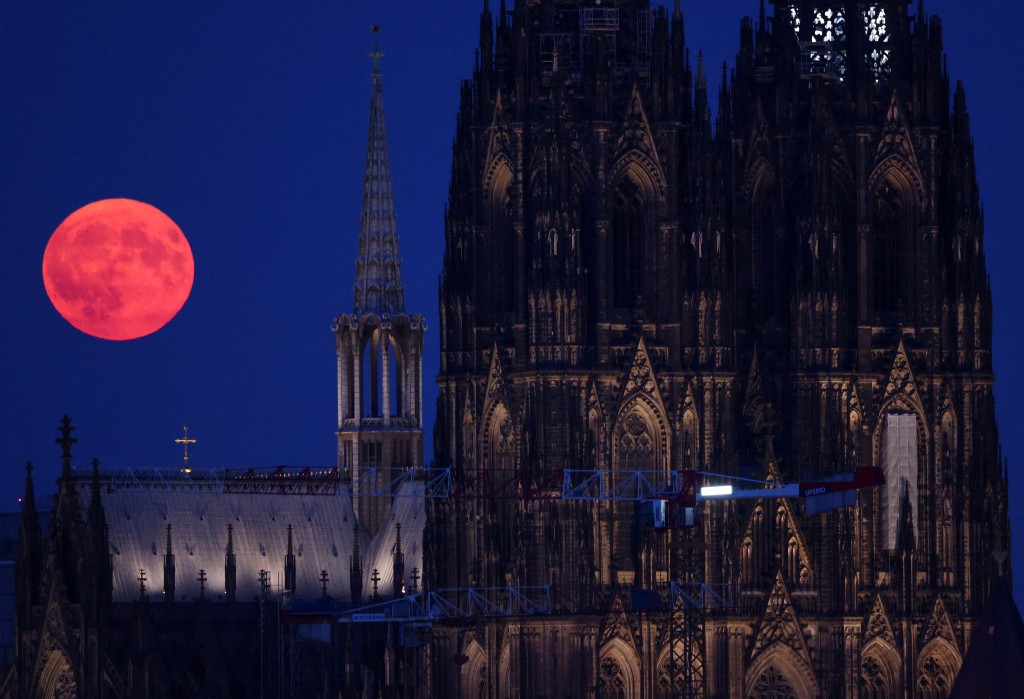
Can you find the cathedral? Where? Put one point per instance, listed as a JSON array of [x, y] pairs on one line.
[[786, 291], [790, 290]]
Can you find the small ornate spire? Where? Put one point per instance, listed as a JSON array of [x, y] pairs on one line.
[[230, 572], [356, 568], [289, 565], [65, 441], [169, 568], [398, 563], [378, 287]]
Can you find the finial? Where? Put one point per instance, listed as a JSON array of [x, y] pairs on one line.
[[142, 582], [29, 501], [376, 54], [1000, 556], [185, 469], [202, 584], [66, 440], [324, 579]]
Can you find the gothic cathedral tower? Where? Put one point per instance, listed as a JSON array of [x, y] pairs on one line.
[[380, 346], [795, 289]]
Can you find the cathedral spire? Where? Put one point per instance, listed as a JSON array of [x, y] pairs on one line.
[[378, 288], [289, 565], [356, 568], [230, 570], [169, 568]]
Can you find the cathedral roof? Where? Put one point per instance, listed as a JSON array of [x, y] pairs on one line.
[[994, 665], [199, 512], [378, 287]]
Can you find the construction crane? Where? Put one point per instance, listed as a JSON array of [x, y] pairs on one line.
[[672, 496], [668, 501]]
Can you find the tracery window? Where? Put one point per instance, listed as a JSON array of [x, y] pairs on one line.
[[629, 233], [830, 28], [890, 249], [611, 683], [876, 31], [767, 271], [874, 681], [772, 684], [500, 214], [932, 681]]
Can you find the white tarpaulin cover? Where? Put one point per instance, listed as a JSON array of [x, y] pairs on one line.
[[899, 462]]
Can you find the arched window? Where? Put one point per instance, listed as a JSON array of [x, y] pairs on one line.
[[892, 222], [772, 684], [500, 248], [767, 273], [629, 249], [898, 456]]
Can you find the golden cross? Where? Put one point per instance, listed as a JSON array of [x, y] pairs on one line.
[[186, 469]]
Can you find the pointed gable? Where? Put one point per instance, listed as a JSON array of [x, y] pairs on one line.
[[640, 380], [896, 140], [878, 625], [616, 626], [636, 144], [939, 626], [780, 625], [902, 386], [499, 146]]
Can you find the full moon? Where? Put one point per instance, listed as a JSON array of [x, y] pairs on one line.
[[118, 269]]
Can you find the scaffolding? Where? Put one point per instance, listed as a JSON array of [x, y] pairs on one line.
[[283, 480], [387, 482], [559, 52]]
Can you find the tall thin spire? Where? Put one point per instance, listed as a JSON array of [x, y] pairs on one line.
[[378, 288]]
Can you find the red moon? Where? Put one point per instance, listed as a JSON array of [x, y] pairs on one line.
[[118, 269]]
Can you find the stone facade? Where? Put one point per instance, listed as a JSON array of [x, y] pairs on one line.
[[793, 291]]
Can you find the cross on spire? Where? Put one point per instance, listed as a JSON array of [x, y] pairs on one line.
[[375, 578], [202, 584], [186, 469], [324, 579], [376, 54], [142, 582]]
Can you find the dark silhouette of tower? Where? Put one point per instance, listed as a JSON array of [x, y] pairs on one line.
[[792, 289]]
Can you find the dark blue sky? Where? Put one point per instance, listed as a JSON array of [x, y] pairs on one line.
[[246, 123]]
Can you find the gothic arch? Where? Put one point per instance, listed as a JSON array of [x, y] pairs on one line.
[[641, 425], [498, 175], [473, 674], [780, 670], [759, 175], [618, 670], [898, 404], [632, 238], [879, 670], [505, 689], [57, 678], [497, 439], [644, 172], [937, 667], [903, 174], [767, 249]]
